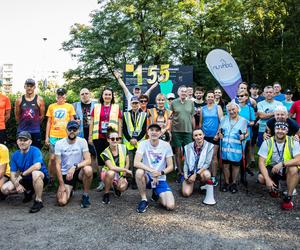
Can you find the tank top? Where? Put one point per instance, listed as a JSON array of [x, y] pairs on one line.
[[210, 120], [29, 116]]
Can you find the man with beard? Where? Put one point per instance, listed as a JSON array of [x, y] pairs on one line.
[[279, 157], [198, 103], [72, 165]]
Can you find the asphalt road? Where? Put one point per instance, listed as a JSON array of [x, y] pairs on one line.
[[237, 221]]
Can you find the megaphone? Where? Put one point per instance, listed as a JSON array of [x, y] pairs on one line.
[[209, 197]]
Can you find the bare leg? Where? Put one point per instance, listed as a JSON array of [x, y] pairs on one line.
[[167, 200], [235, 173], [226, 172], [108, 180], [141, 183], [214, 162], [178, 158], [38, 184], [292, 179], [86, 175]]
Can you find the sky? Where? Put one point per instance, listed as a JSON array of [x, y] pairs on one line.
[[24, 24]]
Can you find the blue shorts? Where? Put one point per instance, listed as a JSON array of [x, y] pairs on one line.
[[161, 186]]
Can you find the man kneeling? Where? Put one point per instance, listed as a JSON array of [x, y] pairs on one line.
[[28, 172], [153, 161], [73, 164], [279, 157], [197, 159]]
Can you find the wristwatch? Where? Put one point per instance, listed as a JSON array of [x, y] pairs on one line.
[[76, 166], [162, 173]]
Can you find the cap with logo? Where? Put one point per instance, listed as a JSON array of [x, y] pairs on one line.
[[134, 99], [61, 91], [170, 96], [288, 92], [72, 124], [30, 81]]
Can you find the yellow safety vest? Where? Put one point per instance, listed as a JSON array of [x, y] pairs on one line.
[[130, 128], [122, 157], [113, 119], [287, 151]]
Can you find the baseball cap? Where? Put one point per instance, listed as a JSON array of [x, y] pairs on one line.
[[24, 135], [288, 91], [134, 99], [283, 125], [170, 95], [61, 91], [72, 124], [154, 125], [137, 87], [30, 81], [254, 86]]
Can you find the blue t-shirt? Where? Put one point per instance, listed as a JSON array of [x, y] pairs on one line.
[[248, 113], [266, 107], [280, 97], [288, 105], [21, 162], [210, 120]]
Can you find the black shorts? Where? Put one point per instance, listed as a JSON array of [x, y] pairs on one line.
[[211, 140], [27, 182], [100, 146], [75, 179], [92, 150], [276, 177], [234, 163]]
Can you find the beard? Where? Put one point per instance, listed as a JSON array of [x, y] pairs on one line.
[[72, 138]]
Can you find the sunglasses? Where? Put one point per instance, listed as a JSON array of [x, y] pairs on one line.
[[241, 95], [143, 101], [72, 129], [115, 138], [84, 93], [171, 99]]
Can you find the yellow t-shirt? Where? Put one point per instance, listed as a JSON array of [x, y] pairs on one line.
[[60, 116], [4, 159]]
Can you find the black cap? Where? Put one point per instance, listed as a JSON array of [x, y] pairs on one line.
[[24, 135], [254, 86], [72, 124], [288, 91], [154, 125], [284, 125], [61, 91], [137, 87], [30, 81]]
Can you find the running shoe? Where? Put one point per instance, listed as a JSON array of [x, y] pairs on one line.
[[274, 194], [37, 206], [225, 187], [100, 187], [215, 181], [287, 203], [85, 201], [233, 188], [105, 199], [2, 196], [142, 207]]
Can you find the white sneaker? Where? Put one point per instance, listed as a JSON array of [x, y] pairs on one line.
[[100, 187]]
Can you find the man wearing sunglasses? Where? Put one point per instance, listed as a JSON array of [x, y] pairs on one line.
[[28, 174], [29, 112], [153, 161], [72, 165]]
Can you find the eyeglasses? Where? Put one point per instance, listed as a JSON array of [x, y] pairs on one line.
[[143, 101], [115, 138], [72, 129], [84, 93]]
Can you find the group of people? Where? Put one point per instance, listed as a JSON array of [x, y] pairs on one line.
[[198, 134]]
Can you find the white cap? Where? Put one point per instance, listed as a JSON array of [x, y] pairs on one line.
[[170, 95]]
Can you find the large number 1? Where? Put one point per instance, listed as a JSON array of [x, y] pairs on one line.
[[138, 72]]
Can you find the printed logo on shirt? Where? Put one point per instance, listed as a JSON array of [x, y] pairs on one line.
[[60, 113], [155, 158]]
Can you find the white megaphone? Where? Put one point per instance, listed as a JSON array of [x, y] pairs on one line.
[[209, 197]]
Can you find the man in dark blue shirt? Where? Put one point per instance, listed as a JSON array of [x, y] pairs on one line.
[[28, 172]]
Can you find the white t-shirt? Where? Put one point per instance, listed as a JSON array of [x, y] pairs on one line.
[[70, 153], [155, 157], [263, 151]]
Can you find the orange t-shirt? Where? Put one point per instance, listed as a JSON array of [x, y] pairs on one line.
[[4, 105], [60, 115]]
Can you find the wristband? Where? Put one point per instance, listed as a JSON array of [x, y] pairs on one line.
[[76, 166]]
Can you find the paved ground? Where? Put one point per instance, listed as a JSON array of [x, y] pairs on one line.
[[239, 221]]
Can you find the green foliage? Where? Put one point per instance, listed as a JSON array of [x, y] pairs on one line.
[[262, 35]]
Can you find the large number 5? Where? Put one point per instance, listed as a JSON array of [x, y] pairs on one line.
[[152, 71], [164, 70]]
